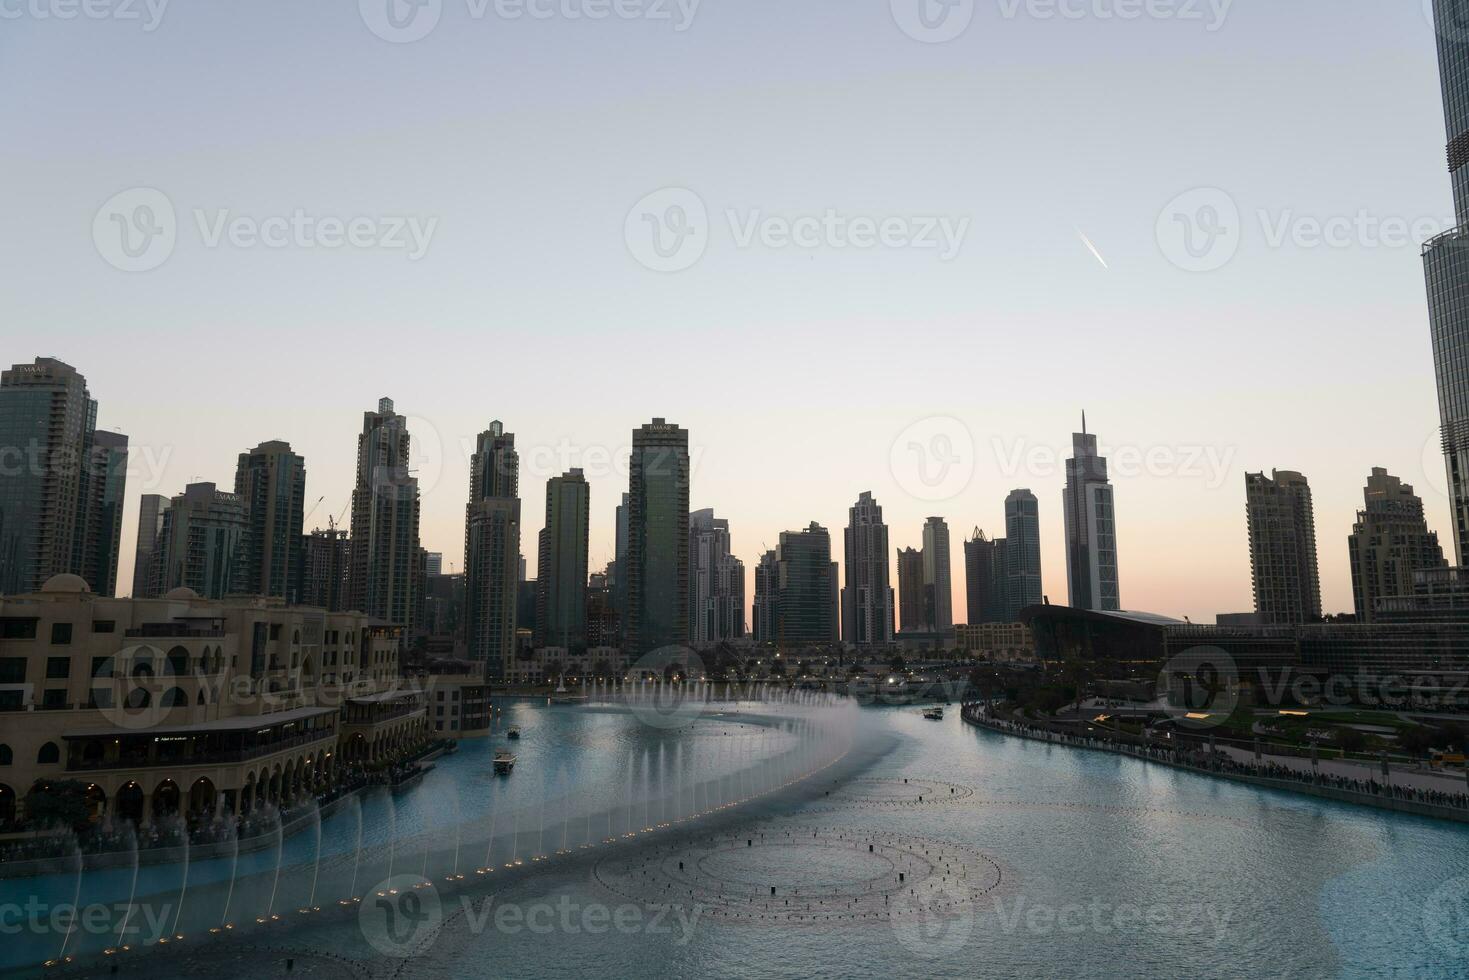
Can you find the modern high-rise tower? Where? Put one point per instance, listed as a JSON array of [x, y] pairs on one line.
[[1283, 548], [867, 596], [147, 569], [984, 579], [492, 551], [1091, 532], [913, 613], [203, 544], [106, 485], [561, 568], [384, 564], [658, 539], [1389, 543], [716, 582], [765, 611], [1446, 269], [53, 518], [1022, 553], [272, 481], [938, 574], [804, 587]]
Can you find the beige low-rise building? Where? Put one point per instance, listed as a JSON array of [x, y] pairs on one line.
[[185, 705], [996, 641]]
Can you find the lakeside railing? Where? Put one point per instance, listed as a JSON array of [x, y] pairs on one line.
[[1369, 792]]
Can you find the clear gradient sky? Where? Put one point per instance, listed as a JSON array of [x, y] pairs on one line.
[[795, 368]]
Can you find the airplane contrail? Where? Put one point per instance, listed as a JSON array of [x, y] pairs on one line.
[[1092, 248]]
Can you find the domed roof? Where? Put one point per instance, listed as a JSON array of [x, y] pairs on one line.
[[182, 592], [66, 583]]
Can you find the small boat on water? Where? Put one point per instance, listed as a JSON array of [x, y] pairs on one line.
[[504, 762], [513, 733], [934, 714]]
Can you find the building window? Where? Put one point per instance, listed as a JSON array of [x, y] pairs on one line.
[[103, 626], [60, 633], [58, 668], [54, 698], [17, 628], [12, 670], [49, 755]]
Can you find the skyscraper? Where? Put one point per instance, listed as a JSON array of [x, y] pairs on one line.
[[561, 569], [804, 587], [617, 574], [1022, 553], [984, 577], [1091, 533], [912, 604], [1283, 567], [1389, 543], [716, 582], [50, 522], [766, 609], [272, 481], [658, 539], [326, 560], [204, 543], [1446, 269], [492, 551], [106, 488], [384, 564], [147, 568], [938, 575], [867, 596]]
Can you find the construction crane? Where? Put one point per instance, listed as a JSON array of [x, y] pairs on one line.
[[313, 509]]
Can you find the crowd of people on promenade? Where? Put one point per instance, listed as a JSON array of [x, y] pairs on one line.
[[1215, 761]]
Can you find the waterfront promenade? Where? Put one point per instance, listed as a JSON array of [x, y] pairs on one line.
[[1437, 803]]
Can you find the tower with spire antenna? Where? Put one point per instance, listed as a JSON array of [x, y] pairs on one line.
[[1091, 530]]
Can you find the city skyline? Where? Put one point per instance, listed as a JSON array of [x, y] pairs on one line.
[[613, 468], [861, 322]]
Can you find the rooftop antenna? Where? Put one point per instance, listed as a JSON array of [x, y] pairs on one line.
[[1083, 421]]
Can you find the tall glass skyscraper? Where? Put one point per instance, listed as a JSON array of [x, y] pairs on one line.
[[272, 481], [867, 597], [1091, 531], [385, 504], [658, 539], [1022, 552], [55, 485], [561, 567], [492, 551], [1446, 268]]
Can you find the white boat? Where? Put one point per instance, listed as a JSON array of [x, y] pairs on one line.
[[513, 733], [934, 714], [504, 762]]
